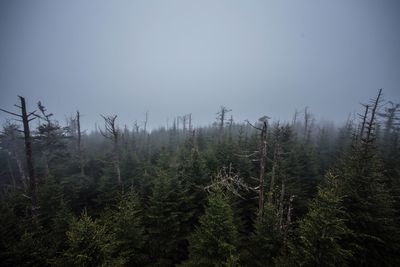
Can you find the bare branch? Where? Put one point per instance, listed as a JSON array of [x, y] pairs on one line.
[[11, 113]]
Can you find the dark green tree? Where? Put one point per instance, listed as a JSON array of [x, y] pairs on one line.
[[322, 231], [89, 244], [215, 240], [125, 222]]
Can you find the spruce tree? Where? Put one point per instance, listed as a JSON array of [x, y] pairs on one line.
[[125, 222], [266, 240], [323, 230], [214, 242], [166, 221], [89, 244]]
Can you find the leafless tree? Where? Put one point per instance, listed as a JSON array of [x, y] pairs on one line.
[[25, 118], [79, 143], [221, 118], [227, 179], [111, 132], [263, 159], [146, 120]]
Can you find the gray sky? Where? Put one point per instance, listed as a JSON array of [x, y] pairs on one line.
[[176, 57]]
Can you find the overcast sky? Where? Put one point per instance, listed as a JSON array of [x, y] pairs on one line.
[[176, 57]]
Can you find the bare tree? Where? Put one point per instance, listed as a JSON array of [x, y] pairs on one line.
[[308, 123], [190, 122], [146, 121], [364, 119], [25, 118], [371, 124], [263, 159], [79, 143], [227, 179], [112, 133], [221, 118]]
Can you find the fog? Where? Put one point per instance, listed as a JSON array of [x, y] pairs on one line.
[[176, 57]]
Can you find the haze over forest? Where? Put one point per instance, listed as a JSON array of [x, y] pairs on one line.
[[177, 57]]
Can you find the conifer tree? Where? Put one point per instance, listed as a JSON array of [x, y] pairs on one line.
[[214, 242], [266, 240], [166, 221], [89, 244], [323, 230], [367, 200], [125, 222]]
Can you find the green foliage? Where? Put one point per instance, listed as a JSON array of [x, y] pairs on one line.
[[89, 244], [166, 221], [214, 242], [323, 230], [369, 207], [266, 240], [125, 222], [350, 218]]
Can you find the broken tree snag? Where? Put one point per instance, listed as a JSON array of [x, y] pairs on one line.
[[221, 118], [371, 124], [263, 160], [364, 118], [145, 121], [26, 118], [263, 156], [79, 144], [190, 122], [111, 132], [29, 158]]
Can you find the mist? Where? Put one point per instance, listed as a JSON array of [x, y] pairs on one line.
[[176, 57]]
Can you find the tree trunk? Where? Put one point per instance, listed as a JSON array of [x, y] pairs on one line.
[[78, 124], [263, 156], [29, 160]]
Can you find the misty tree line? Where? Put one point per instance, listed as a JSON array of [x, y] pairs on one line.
[[261, 193]]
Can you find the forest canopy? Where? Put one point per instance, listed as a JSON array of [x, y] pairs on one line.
[[250, 193]]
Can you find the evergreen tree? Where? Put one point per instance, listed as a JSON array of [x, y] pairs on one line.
[[125, 222], [214, 242], [323, 230], [266, 240], [166, 221], [89, 244]]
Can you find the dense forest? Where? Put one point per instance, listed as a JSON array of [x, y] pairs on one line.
[[251, 193]]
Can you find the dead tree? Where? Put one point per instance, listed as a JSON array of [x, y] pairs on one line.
[[230, 181], [308, 121], [79, 142], [364, 118], [222, 117], [190, 122], [295, 115], [25, 118], [263, 160], [184, 120], [111, 132], [371, 123], [145, 121]]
